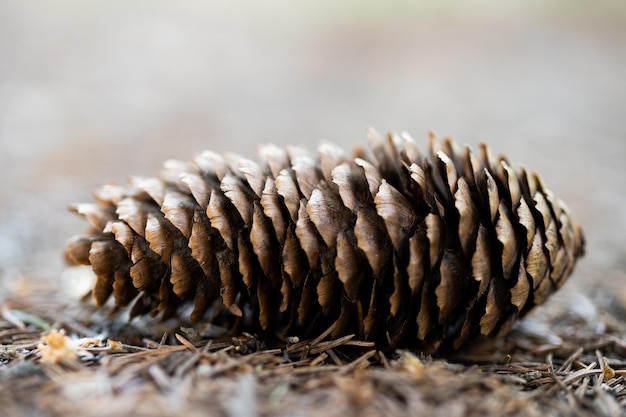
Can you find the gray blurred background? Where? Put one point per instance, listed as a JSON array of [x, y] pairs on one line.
[[92, 91]]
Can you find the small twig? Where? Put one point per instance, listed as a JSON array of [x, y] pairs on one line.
[[334, 357], [323, 335], [320, 358], [357, 363], [571, 398], [383, 360], [321, 347], [567, 365], [186, 342], [588, 371]]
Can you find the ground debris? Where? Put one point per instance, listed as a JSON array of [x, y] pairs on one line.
[[127, 372]]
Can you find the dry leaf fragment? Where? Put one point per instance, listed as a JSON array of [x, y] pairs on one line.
[[57, 348]]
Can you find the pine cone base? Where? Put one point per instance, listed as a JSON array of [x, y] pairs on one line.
[[432, 251]]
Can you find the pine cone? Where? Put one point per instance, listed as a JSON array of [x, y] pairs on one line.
[[429, 251]]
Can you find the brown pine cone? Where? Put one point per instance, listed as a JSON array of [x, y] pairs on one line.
[[429, 251]]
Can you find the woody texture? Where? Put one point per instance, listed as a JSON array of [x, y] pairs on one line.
[[432, 250]]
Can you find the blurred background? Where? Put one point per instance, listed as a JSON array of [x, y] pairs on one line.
[[92, 91]]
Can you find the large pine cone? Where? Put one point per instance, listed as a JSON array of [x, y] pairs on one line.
[[429, 251]]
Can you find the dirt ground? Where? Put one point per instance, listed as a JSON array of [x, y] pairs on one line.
[[97, 91]]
